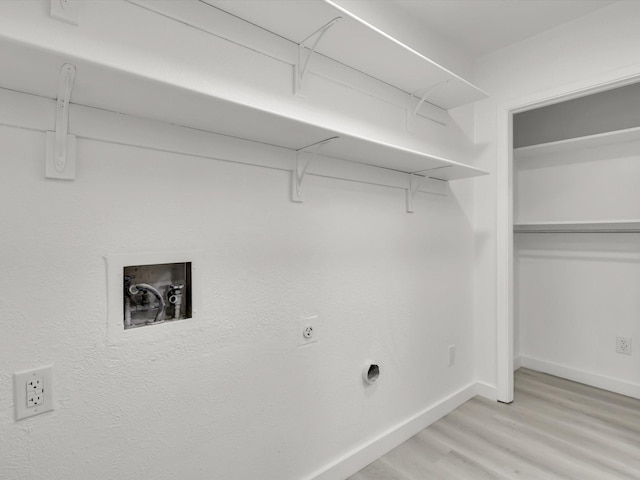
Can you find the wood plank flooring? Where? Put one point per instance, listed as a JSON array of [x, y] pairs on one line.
[[555, 429]]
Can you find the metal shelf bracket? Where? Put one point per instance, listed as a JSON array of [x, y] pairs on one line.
[[415, 182], [304, 157], [300, 68], [60, 162], [412, 112], [65, 10]]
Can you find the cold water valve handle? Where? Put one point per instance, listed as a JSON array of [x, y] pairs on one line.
[[143, 287]]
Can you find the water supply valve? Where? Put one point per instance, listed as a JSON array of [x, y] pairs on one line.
[[175, 298], [156, 293]]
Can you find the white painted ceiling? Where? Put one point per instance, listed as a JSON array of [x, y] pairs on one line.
[[483, 26]]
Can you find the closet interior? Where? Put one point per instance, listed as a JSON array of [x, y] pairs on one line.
[[577, 239]]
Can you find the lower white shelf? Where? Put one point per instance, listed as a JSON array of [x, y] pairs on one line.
[[588, 226]]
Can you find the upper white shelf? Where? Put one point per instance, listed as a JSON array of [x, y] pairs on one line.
[[358, 44], [116, 79], [597, 226], [33, 69], [589, 141]]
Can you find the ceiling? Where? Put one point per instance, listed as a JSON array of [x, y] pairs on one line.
[[483, 26]]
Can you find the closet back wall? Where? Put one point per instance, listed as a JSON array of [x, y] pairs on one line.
[[576, 292], [232, 397]]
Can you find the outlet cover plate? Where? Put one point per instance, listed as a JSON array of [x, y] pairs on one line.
[[33, 392], [452, 356], [623, 345]]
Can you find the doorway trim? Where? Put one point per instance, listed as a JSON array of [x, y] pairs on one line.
[[504, 201]]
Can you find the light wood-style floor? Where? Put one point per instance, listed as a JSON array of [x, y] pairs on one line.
[[555, 429]]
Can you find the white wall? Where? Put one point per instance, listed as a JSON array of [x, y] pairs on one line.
[[233, 397], [589, 50], [230, 396]]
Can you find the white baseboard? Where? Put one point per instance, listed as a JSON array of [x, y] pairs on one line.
[[486, 391], [363, 455], [517, 363], [593, 379]]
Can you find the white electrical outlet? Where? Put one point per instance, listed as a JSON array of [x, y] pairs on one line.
[[308, 329], [33, 392], [623, 345], [452, 355], [307, 332]]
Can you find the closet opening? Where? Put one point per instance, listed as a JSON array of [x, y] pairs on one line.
[[568, 239]]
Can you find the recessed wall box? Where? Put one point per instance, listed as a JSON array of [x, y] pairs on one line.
[[154, 294], [175, 278]]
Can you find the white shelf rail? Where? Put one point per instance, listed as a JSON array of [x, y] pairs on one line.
[[601, 226]]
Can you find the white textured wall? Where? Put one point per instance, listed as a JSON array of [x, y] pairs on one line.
[[232, 397], [593, 47]]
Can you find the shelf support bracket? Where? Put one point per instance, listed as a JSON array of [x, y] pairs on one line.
[[65, 10], [300, 68], [60, 162], [413, 113], [304, 157], [415, 182]]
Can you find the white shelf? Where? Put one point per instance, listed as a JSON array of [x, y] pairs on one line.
[[34, 69], [589, 141], [597, 226], [356, 43], [394, 157]]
